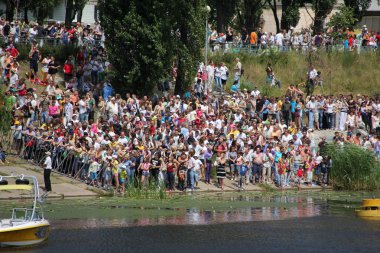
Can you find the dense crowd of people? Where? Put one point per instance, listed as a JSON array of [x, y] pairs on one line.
[[118, 141], [291, 39], [54, 32]]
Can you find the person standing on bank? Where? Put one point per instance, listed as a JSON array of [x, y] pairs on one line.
[[47, 172]]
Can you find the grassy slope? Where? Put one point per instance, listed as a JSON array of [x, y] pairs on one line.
[[342, 72]]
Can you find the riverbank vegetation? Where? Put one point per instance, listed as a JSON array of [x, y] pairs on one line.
[[341, 72], [353, 168]]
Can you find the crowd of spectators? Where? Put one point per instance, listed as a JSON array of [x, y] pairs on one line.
[[53, 32], [301, 40], [119, 141]]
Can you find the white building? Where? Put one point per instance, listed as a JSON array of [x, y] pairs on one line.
[[89, 14]]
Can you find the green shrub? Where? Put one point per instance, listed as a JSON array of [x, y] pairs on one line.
[[353, 168]]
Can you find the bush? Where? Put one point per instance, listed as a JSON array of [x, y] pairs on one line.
[[353, 168]]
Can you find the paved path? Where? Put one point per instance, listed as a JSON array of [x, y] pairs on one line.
[[62, 186]]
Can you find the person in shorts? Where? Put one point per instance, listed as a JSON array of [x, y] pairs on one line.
[[34, 57]]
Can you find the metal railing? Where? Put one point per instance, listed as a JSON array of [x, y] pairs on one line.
[[65, 161], [233, 47]]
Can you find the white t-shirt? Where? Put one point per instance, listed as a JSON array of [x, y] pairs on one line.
[[82, 107], [32, 33], [210, 70], [255, 93], [279, 39], [47, 163]]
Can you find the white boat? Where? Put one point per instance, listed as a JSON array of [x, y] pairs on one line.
[[27, 226]]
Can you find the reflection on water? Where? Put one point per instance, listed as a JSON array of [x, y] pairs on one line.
[[301, 208]]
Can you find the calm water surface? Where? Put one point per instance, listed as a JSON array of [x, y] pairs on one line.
[[219, 223]]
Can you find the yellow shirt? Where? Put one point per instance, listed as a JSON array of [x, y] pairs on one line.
[[235, 133], [114, 166], [279, 105]]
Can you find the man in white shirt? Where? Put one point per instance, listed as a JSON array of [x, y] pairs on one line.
[[210, 76], [238, 73], [255, 92], [112, 108], [83, 112], [279, 39], [312, 107], [32, 32], [47, 172]]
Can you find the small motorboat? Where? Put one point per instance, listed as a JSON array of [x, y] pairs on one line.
[[27, 226], [370, 208]]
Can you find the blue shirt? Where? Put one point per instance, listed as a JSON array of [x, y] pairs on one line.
[[293, 106]]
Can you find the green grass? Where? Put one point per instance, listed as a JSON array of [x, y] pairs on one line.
[[342, 72]]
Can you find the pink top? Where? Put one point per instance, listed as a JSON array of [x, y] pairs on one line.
[[53, 109]]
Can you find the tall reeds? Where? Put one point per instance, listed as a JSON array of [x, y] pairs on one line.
[[353, 168]]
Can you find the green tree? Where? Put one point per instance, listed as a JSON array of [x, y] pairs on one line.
[[345, 17], [134, 43], [73, 7], [143, 38], [42, 8], [290, 13], [223, 12], [249, 14], [359, 7], [187, 19], [5, 119], [321, 8]]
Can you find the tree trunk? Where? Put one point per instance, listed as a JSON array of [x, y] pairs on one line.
[[276, 19], [182, 69], [26, 19], [249, 18], [40, 15], [70, 12], [318, 22], [284, 21], [79, 15], [9, 11], [220, 16]]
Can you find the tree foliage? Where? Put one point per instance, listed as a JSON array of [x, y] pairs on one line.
[[321, 8], [344, 18], [222, 11], [249, 13], [133, 41], [144, 37], [290, 13], [359, 7], [5, 116]]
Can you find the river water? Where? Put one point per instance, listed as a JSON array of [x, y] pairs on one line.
[[209, 223]]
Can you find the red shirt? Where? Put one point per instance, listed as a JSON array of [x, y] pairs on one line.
[[68, 68], [14, 52]]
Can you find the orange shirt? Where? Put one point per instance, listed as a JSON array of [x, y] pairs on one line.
[[74, 98], [253, 39]]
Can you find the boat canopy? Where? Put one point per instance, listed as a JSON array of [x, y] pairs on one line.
[[16, 187]]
